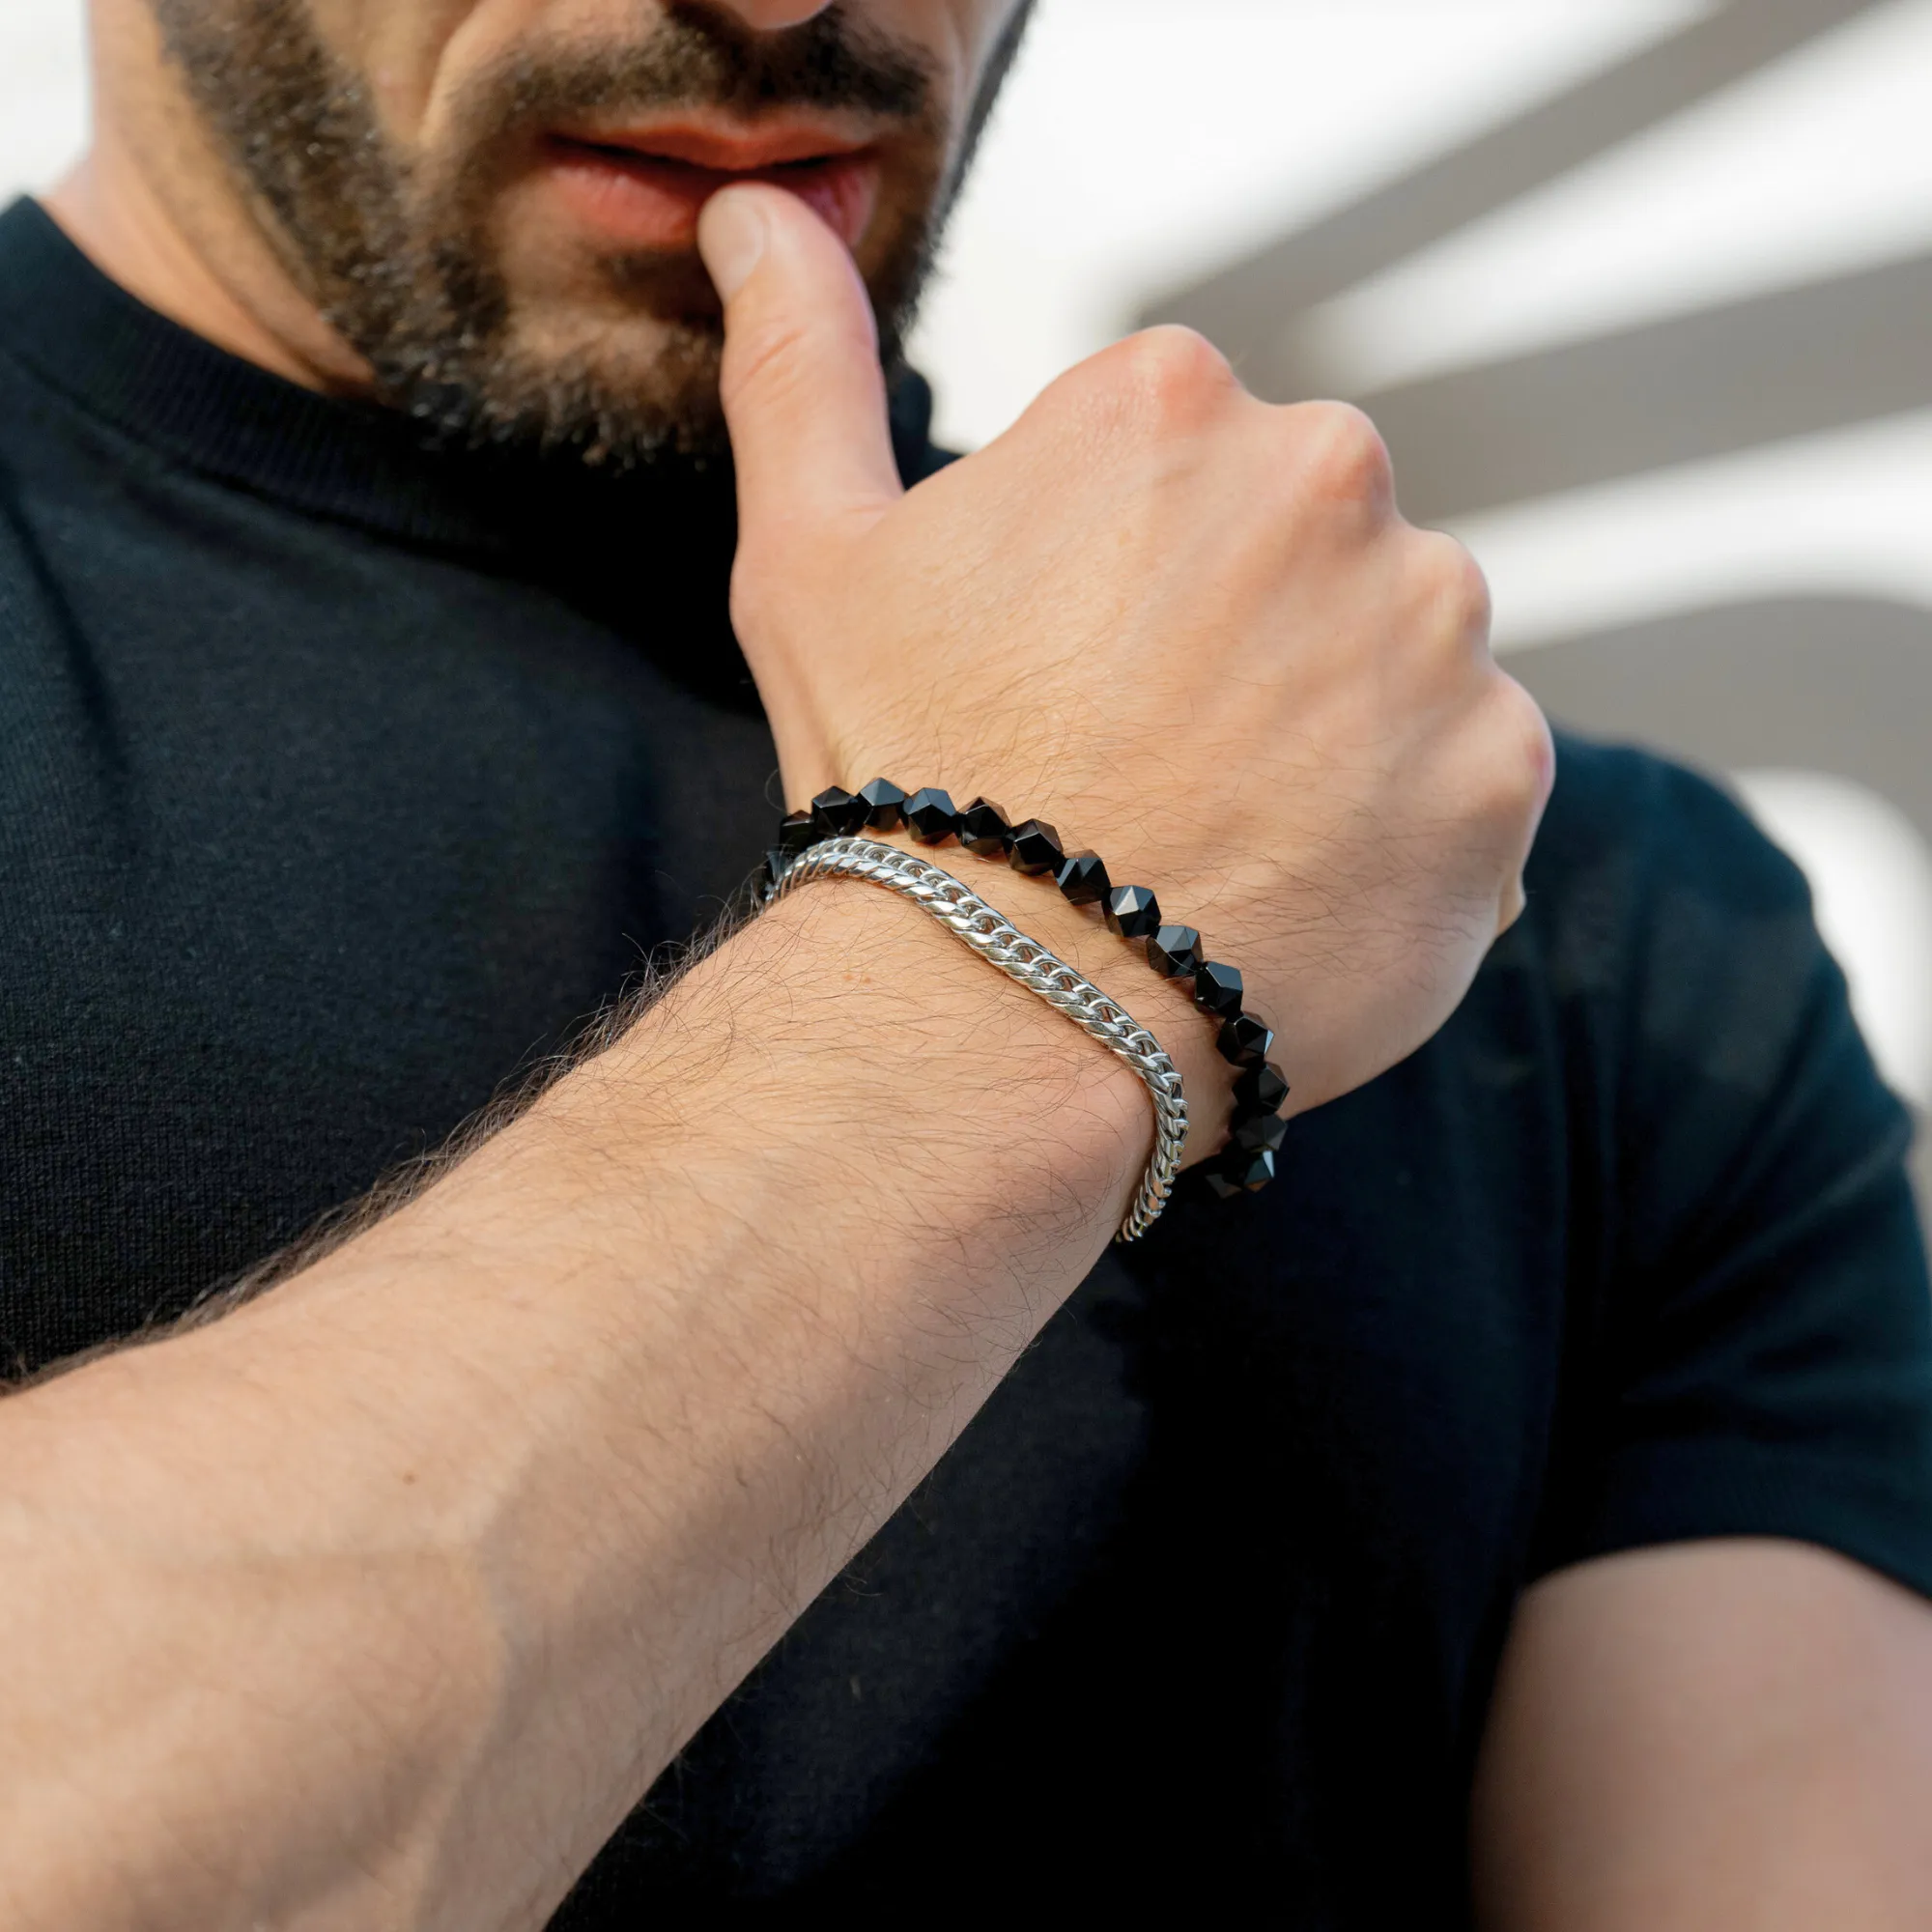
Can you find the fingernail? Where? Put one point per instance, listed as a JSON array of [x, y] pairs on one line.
[[731, 240]]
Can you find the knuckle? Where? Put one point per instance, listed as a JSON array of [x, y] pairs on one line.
[[761, 581], [1344, 458], [1519, 758], [1173, 378], [751, 598], [1455, 586]]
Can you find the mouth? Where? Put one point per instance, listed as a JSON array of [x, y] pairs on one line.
[[645, 188]]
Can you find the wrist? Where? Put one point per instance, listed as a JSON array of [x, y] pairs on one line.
[[1077, 934], [868, 1038]]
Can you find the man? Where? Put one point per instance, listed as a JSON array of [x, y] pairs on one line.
[[372, 707]]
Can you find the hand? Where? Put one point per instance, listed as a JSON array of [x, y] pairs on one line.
[[1187, 628]]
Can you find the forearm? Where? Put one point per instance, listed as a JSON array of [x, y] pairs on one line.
[[382, 1601]]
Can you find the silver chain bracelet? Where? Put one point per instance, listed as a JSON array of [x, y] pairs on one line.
[[997, 940]]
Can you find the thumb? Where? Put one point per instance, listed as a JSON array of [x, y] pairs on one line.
[[804, 397]]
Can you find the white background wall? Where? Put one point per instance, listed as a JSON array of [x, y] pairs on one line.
[[1144, 141]]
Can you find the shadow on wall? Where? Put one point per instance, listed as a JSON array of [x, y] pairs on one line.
[[1839, 687]]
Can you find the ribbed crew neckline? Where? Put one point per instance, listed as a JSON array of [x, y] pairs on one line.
[[81, 334]]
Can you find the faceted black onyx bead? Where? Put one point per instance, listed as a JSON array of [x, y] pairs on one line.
[[1244, 1040], [1035, 849], [796, 831], [885, 805], [985, 829], [1217, 989], [1133, 912], [1240, 1170], [930, 815], [1175, 951], [1260, 1090], [837, 813], [1261, 1133], [1084, 880]]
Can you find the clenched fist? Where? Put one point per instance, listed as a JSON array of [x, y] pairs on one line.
[[1188, 628]]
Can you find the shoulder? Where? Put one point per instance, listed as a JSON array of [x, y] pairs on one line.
[[1627, 820], [1704, 1032], [1651, 890], [1750, 1333]]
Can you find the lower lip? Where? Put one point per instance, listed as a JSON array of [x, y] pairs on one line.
[[642, 202]]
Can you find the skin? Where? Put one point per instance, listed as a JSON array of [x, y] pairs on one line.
[[1731, 1734], [380, 1601], [153, 201]]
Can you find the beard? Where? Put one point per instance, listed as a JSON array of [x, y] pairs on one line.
[[400, 251]]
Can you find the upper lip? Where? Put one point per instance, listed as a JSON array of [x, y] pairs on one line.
[[722, 151]]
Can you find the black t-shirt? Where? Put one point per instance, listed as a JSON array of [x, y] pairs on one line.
[[340, 778]]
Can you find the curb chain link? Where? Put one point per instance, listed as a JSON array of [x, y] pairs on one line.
[[1002, 944]]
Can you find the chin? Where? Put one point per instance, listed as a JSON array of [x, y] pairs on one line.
[[617, 389]]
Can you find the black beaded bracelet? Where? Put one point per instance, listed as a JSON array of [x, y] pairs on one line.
[[1247, 1164]]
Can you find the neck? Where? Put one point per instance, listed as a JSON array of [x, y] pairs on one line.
[[154, 208]]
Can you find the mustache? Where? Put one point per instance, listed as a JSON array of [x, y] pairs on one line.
[[697, 55]]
